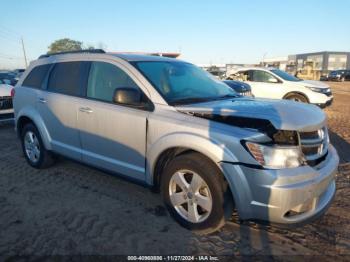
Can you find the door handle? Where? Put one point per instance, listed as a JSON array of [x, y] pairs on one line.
[[42, 100], [86, 110]]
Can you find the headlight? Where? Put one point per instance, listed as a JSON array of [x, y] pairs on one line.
[[276, 157], [315, 89], [319, 90]]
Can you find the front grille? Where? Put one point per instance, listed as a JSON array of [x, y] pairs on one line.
[[247, 93], [314, 145], [5, 102]]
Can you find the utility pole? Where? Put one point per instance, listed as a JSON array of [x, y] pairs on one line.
[[263, 60], [24, 53]]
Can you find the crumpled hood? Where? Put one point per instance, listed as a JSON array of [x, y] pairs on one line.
[[282, 114], [5, 90], [314, 83]]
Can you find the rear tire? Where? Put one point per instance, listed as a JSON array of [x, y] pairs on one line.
[[192, 188], [33, 148], [297, 98]]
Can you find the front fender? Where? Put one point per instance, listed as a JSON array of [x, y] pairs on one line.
[[211, 148]]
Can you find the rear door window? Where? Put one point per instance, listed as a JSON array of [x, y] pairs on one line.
[[244, 75], [36, 77], [262, 76], [69, 78]]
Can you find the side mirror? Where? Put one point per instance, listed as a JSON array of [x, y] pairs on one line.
[[127, 96]]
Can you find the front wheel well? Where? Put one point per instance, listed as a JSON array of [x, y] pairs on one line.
[[165, 158], [296, 93]]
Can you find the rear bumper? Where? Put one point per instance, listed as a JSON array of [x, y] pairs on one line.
[[288, 197]]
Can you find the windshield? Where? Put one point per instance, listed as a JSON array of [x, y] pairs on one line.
[[181, 83], [285, 75]]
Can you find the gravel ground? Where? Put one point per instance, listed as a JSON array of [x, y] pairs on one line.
[[72, 209]]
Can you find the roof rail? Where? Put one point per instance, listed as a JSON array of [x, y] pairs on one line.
[[92, 51]]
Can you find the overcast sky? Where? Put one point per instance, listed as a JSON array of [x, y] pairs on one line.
[[203, 31]]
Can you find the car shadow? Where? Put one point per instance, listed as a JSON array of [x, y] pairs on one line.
[[341, 145]]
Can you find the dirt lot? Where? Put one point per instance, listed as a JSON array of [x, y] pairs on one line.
[[71, 209]]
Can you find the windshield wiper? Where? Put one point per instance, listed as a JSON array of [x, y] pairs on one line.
[[190, 100], [228, 96]]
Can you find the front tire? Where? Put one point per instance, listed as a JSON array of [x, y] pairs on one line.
[[33, 148], [297, 98], [193, 192]]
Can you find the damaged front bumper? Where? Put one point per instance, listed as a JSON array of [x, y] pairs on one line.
[[287, 196]]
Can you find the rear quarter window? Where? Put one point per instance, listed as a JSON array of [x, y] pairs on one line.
[[36, 77]]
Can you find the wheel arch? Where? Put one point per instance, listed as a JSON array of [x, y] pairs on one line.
[[169, 154], [298, 93], [31, 117], [167, 148]]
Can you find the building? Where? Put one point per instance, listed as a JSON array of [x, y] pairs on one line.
[[280, 62], [322, 61], [233, 67]]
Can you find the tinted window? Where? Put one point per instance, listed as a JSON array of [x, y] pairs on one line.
[[68, 78], [262, 76], [104, 79], [36, 76]]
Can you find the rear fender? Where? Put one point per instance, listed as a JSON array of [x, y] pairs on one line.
[[31, 113]]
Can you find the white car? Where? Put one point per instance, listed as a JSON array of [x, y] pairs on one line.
[[6, 107], [273, 83]]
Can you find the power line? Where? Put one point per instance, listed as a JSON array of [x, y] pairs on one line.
[[10, 56], [17, 42], [9, 31], [11, 36]]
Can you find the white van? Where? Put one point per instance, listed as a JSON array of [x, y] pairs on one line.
[[274, 83]]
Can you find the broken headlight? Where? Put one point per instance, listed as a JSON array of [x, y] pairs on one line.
[[276, 157]]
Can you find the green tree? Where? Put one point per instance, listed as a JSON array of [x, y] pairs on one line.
[[64, 44]]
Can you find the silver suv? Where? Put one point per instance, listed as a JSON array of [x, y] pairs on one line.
[[170, 125]]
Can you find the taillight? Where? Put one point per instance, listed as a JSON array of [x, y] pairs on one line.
[[13, 92]]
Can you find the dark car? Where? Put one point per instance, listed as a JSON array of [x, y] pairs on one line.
[[339, 75], [240, 87], [324, 77], [10, 78]]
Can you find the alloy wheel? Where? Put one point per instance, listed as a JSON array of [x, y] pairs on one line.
[[190, 196], [32, 146]]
